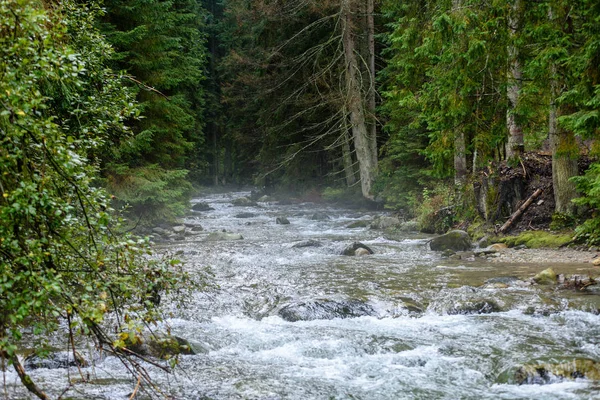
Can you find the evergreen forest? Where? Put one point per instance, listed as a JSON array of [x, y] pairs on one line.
[[114, 113]]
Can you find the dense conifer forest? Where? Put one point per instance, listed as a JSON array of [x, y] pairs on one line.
[[124, 108]]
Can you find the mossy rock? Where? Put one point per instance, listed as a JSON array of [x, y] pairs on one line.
[[544, 373], [455, 240], [160, 345], [546, 277]]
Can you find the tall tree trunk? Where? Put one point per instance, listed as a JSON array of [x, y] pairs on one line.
[[460, 157], [460, 146], [565, 150], [362, 141], [515, 145], [564, 162], [347, 160], [372, 88]]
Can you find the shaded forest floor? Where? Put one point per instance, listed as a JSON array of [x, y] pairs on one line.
[[534, 172]]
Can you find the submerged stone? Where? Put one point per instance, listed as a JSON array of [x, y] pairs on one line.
[[456, 240], [243, 201], [325, 309], [282, 221], [245, 215], [474, 307]]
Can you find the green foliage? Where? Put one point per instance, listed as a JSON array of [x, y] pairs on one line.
[[589, 186], [61, 259], [161, 47], [435, 209]]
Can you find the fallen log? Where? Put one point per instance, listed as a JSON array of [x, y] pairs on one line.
[[520, 211]]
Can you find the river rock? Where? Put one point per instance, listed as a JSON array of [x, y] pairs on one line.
[[325, 309], [351, 250], [385, 222], [265, 199], [243, 201], [544, 373], [409, 226], [491, 249], [307, 243], [160, 345], [245, 215], [282, 221], [202, 207], [546, 277], [361, 252], [54, 360], [319, 216], [178, 229], [197, 228], [160, 231], [596, 262], [216, 236], [454, 240], [358, 224]]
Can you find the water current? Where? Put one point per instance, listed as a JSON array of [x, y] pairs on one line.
[[285, 322]]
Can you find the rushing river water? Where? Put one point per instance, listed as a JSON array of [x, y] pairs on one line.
[[416, 326]]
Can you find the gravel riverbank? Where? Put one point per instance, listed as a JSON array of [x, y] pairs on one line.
[[544, 256]]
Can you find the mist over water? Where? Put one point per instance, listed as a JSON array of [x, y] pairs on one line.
[[416, 325]]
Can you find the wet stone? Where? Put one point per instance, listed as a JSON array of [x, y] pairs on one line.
[[351, 250], [454, 240], [358, 224], [54, 360], [325, 309], [202, 207], [282, 221], [308, 243], [245, 215], [319, 216]]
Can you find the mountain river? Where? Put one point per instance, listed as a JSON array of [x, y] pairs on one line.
[[288, 322]]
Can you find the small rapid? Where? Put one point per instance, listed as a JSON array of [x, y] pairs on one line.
[[288, 317]]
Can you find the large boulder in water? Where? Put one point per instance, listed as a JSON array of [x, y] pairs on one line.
[[325, 309], [351, 250], [456, 240]]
